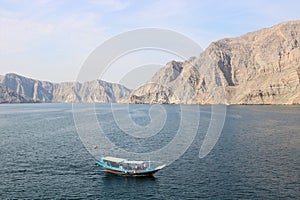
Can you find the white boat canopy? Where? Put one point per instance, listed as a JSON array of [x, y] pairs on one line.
[[114, 159], [122, 160], [134, 162]]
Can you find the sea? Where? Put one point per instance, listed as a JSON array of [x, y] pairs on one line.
[[256, 155]]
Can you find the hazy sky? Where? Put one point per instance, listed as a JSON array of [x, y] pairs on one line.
[[50, 40]]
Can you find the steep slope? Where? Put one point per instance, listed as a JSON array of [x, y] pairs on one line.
[[9, 96], [34, 89], [94, 91], [89, 92], [261, 67]]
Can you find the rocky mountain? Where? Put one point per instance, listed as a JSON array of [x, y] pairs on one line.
[[261, 67], [88, 92], [96, 91], [9, 96]]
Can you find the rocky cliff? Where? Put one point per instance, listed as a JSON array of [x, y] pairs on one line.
[[261, 67], [9, 96], [88, 92], [96, 91]]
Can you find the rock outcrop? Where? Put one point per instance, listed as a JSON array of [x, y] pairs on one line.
[[261, 67], [70, 92]]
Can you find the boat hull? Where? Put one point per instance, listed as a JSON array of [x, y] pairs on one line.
[[123, 173]]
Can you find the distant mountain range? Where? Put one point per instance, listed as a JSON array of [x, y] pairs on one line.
[[96, 91], [261, 67]]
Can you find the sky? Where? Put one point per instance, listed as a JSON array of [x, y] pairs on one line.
[[51, 39]]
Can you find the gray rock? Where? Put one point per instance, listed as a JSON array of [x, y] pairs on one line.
[[96, 91], [89, 92], [9, 96], [34, 89]]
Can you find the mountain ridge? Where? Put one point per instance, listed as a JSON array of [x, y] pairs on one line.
[[96, 91], [260, 67]]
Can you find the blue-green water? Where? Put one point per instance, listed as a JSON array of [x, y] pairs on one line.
[[256, 157]]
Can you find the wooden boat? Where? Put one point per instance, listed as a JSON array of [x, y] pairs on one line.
[[125, 167]]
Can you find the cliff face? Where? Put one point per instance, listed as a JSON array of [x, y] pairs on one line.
[[261, 67], [9, 96], [33, 89], [89, 92]]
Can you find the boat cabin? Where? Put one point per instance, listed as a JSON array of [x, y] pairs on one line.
[[124, 164]]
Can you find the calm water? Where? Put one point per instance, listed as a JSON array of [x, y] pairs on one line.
[[256, 157]]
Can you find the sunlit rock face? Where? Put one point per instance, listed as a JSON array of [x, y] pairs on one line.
[[261, 67]]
